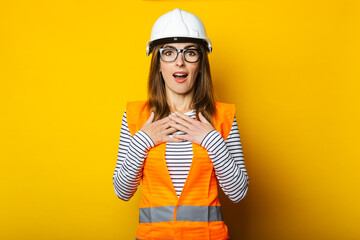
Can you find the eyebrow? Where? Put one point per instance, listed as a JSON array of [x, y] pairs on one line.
[[188, 46]]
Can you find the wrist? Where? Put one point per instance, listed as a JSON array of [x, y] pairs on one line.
[[146, 139], [207, 139]]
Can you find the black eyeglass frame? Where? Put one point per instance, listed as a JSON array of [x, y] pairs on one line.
[[179, 51]]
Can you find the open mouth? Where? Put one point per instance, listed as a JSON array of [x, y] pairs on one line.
[[180, 76]]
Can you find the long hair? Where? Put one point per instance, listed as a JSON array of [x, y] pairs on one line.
[[203, 100]]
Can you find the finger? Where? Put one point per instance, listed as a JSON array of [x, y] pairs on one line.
[[163, 126], [170, 130], [179, 127], [202, 118], [164, 120], [183, 137], [185, 117], [150, 119], [162, 123], [181, 121]]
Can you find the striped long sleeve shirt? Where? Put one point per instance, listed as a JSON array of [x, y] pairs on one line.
[[226, 156]]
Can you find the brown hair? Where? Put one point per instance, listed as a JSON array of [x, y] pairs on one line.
[[203, 100]]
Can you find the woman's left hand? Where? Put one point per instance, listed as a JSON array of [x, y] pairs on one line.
[[195, 130]]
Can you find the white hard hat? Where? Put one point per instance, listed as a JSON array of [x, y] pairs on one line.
[[178, 26]]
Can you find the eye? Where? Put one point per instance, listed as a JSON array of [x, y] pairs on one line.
[[168, 52], [191, 52]]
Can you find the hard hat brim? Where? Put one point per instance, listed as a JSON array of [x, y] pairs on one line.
[[152, 44]]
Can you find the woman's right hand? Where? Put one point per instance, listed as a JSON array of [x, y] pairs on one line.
[[159, 130]]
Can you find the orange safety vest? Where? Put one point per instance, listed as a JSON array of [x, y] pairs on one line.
[[196, 214]]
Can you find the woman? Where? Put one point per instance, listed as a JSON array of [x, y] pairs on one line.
[[180, 142]]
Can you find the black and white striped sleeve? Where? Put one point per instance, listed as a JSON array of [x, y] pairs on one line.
[[131, 155], [228, 160]]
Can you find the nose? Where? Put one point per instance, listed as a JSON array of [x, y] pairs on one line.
[[180, 59]]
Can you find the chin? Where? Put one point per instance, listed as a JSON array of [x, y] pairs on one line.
[[183, 92]]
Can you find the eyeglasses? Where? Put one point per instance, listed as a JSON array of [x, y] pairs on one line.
[[190, 55]]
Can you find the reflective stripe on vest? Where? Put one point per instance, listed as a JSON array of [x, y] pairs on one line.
[[184, 213], [156, 214], [199, 213]]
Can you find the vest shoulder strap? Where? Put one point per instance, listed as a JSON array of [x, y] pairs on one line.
[[137, 113], [224, 118]]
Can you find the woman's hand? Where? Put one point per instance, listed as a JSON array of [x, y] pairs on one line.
[[195, 130], [159, 130]]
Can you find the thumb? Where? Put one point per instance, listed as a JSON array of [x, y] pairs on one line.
[[150, 119], [202, 118]]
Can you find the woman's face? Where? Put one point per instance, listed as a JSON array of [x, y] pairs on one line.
[[179, 76]]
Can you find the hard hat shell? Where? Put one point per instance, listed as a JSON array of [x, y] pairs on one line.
[[178, 26]]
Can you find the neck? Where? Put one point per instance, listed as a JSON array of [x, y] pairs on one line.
[[180, 103]]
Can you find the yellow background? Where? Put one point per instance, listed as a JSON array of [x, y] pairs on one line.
[[67, 69]]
